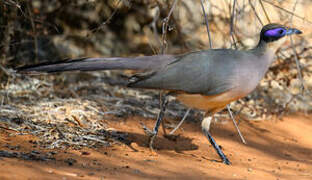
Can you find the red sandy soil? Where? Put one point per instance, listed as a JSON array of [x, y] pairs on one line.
[[276, 149]]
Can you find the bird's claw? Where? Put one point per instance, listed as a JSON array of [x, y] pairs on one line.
[[151, 136]]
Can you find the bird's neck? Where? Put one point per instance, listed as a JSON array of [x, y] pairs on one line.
[[264, 51], [263, 47], [260, 49]]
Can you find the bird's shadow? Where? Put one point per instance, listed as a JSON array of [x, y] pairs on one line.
[[177, 143]]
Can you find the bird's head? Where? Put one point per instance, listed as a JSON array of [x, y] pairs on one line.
[[273, 34]]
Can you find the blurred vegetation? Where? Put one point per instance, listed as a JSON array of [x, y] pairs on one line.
[[76, 105], [50, 30]]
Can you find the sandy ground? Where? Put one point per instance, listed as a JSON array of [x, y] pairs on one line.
[[276, 149]]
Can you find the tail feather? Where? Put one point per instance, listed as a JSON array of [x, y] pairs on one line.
[[93, 64]]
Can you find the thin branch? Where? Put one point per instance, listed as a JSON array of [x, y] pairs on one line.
[[235, 124], [232, 24], [210, 44], [181, 122], [165, 27], [265, 13], [254, 10], [302, 88], [207, 23], [107, 20], [33, 26], [287, 11]]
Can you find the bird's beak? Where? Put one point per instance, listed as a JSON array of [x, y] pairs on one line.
[[293, 31]]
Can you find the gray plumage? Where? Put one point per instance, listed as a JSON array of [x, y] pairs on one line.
[[208, 72], [210, 79]]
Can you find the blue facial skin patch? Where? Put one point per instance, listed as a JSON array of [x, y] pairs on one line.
[[278, 32]]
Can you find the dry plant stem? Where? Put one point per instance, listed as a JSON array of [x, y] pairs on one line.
[[34, 31], [207, 23], [163, 49], [153, 134], [181, 122], [236, 126], [165, 27], [265, 13], [295, 54], [287, 11], [4, 70], [107, 20], [163, 100], [254, 10], [210, 44], [232, 24], [228, 106]]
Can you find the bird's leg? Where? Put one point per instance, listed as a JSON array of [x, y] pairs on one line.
[[205, 128], [152, 134]]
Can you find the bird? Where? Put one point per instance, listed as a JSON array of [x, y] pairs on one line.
[[207, 80]]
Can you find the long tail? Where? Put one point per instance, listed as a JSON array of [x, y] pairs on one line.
[[93, 64]]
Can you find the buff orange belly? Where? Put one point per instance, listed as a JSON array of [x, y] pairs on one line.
[[207, 103]]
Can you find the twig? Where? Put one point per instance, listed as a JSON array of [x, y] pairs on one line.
[[94, 139], [165, 27], [5, 70], [9, 129], [62, 136], [232, 24], [210, 44], [207, 23], [235, 124], [34, 31], [295, 53], [254, 10], [181, 122], [106, 21], [287, 11], [233, 40], [265, 13]]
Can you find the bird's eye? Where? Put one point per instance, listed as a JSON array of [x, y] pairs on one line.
[[281, 31]]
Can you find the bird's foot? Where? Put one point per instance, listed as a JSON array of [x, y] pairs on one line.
[[147, 131], [151, 136], [226, 161]]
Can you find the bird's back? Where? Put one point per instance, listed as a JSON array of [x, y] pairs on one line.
[[207, 72]]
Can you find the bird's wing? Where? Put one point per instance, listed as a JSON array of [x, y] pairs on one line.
[[208, 72]]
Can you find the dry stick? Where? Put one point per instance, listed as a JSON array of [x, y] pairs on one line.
[[295, 53], [207, 23], [4, 70], [106, 21], [254, 10], [228, 106], [287, 11], [165, 27], [210, 44], [235, 124], [232, 24], [266, 14], [34, 31], [163, 48], [181, 122]]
